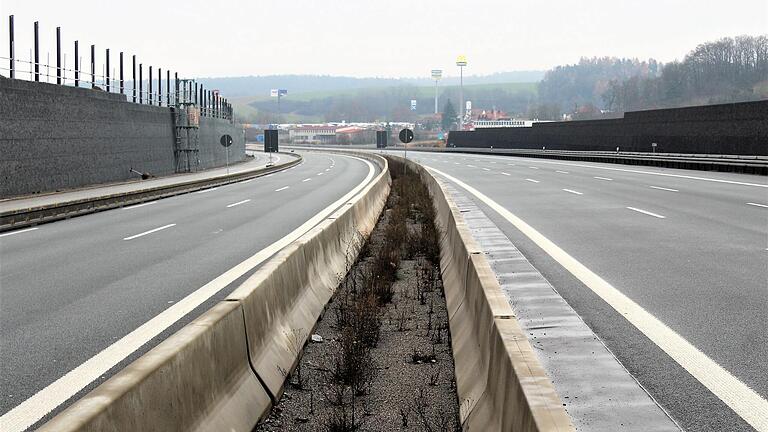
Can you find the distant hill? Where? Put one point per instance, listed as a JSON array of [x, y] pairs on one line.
[[237, 87]]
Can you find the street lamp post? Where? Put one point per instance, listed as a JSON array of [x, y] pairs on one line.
[[461, 61], [436, 75]]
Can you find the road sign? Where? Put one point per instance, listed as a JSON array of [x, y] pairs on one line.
[[469, 106], [437, 74], [461, 60], [278, 92], [413, 104], [270, 141], [260, 138], [406, 136], [226, 140], [381, 139]]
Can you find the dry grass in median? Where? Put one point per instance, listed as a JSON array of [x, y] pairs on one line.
[[385, 361]]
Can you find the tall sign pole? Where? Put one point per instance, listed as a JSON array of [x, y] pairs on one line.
[[436, 75], [461, 61]]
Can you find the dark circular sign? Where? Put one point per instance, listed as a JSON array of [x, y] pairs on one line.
[[406, 136], [226, 140]]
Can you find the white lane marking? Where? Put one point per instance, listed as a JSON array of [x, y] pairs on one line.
[[604, 178], [306, 180], [139, 205], [486, 169], [17, 232], [457, 163], [282, 188], [663, 188], [633, 171], [533, 167], [506, 174], [511, 164], [749, 405], [327, 169], [207, 190], [647, 212], [150, 232], [562, 172], [471, 166], [757, 205], [320, 174], [573, 192], [532, 180], [238, 203], [33, 409], [247, 181]]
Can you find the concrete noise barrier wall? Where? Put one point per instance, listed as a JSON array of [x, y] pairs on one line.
[[726, 129], [500, 383], [222, 371]]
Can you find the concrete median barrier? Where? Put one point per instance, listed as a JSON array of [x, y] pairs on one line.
[[198, 379], [500, 383], [283, 300]]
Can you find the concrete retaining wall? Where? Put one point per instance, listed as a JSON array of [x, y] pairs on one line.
[[731, 129], [200, 378], [500, 383], [57, 137]]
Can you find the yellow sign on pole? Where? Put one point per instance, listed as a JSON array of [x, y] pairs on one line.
[[461, 60]]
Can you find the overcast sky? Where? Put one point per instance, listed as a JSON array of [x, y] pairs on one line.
[[378, 38]]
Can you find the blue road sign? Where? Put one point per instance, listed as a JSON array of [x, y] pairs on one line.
[[260, 138]]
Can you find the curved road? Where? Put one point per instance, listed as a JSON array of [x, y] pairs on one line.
[[70, 289]]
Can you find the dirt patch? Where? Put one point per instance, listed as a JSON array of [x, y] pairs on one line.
[[385, 361]]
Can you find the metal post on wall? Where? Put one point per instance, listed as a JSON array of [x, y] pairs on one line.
[[107, 76], [176, 86], [58, 55], [167, 88], [122, 77], [77, 65], [93, 66], [134, 79], [12, 46], [149, 92], [141, 83], [37, 51], [159, 87]]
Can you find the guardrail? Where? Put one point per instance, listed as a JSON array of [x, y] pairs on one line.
[[500, 383], [22, 218], [224, 370]]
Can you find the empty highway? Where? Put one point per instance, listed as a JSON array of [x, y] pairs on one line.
[[689, 248], [83, 297]]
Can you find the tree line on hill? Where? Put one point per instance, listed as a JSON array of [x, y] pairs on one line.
[[726, 70]]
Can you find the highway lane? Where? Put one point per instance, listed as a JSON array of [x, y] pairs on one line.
[[691, 251], [72, 288]]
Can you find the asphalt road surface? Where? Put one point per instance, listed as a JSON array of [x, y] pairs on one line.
[[689, 247], [70, 289]]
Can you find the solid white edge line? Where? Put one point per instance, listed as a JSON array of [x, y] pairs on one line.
[[139, 205], [208, 190], [647, 212], [663, 188], [150, 231], [17, 232], [744, 401], [573, 192], [46, 400], [757, 205]]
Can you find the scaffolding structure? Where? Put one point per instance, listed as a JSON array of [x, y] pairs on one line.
[[187, 126]]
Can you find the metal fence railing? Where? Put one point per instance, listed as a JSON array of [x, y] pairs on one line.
[[110, 73]]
